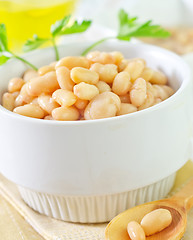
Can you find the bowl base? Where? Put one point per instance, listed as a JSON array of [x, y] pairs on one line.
[[94, 209]]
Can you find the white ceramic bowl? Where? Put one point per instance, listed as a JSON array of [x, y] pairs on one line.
[[89, 171]]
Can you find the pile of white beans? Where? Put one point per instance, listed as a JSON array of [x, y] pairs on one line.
[[152, 223], [100, 85]]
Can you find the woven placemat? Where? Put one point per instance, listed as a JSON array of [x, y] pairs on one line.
[[12, 225]]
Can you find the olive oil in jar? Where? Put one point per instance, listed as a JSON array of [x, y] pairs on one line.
[[23, 18]]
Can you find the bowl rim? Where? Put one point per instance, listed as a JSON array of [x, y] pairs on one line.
[[156, 107]]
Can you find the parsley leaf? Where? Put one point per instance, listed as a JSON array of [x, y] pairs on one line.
[[59, 25], [76, 27], [59, 28], [5, 53], [125, 20], [34, 43], [64, 26], [130, 27], [3, 59], [148, 30], [3, 38]]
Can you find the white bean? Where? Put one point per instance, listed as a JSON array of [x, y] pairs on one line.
[[44, 84], [15, 84], [121, 83], [135, 231], [30, 110], [106, 72], [65, 114], [64, 97], [126, 108], [100, 57], [71, 62], [135, 68], [156, 221], [29, 74], [85, 91], [103, 87], [64, 79], [105, 105], [45, 69], [138, 92], [47, 103], [158, 78], [8, 101], [79, 74]]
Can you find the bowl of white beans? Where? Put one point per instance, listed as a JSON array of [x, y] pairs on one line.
[[85, 138]]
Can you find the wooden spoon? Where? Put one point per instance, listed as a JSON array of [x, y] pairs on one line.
[[178, 205]]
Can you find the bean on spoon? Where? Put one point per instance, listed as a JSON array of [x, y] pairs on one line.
[[178, 205]]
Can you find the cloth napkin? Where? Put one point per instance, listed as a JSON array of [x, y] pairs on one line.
[[14, 226]]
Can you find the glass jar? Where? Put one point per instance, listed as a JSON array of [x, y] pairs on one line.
[[23, 18]]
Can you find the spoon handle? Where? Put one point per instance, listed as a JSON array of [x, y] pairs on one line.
[[186, 195]]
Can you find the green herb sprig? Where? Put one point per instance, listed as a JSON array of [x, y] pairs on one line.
[[5, 52], [130, 27], [62, 27]]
